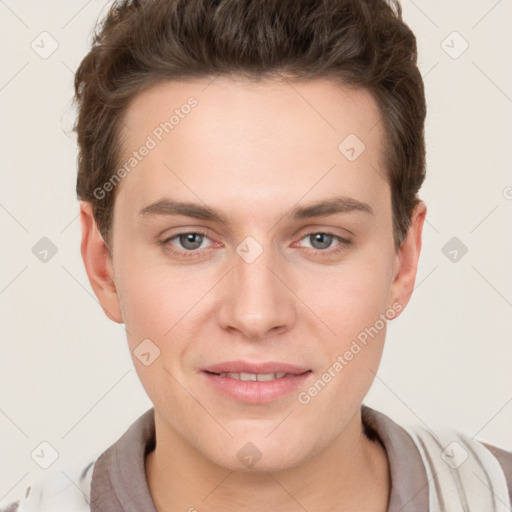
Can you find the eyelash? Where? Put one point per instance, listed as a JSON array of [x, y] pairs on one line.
[[343, 243]]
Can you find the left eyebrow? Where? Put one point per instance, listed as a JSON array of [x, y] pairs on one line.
[[332, 206], [326, 207]]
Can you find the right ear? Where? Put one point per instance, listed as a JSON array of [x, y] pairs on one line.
[[98, 264]]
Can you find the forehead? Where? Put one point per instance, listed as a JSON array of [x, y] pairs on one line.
[[219, 139]]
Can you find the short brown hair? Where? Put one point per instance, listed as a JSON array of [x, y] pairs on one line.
[[361, 43]]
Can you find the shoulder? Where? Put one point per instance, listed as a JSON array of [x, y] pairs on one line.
[[504, 458], [466, 470], [66, 490]]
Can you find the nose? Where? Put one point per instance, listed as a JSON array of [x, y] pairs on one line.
[[258, 299]]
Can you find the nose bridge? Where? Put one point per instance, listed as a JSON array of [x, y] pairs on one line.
[[256, 300]]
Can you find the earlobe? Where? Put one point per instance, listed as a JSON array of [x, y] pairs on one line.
[[98, 264], [406, 260]]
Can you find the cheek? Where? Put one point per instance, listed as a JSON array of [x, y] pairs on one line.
[[152, 300], [356, 310], [350, 299], [155, 310]]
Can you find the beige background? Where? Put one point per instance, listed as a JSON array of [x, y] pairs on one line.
[[66, 374]]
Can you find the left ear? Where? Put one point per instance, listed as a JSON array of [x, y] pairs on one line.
[[406, 259]]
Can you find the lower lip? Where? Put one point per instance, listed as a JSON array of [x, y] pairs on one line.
[[256, 392]]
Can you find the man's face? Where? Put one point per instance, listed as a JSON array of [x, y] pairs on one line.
[[265, 285]]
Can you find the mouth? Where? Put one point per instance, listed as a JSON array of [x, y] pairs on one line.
[[256, 382], [256, 377], [260, 368]]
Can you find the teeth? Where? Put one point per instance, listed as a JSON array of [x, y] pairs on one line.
[[244, 376], [260, 377]]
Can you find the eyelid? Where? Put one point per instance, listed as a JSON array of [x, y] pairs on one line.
[[342, 241], [342, 245], [175, 236], [343, 235], [309, 230]]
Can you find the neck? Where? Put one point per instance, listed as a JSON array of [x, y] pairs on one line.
[[180, 478]]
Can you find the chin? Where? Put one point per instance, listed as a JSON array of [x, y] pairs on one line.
[[260, 456], [274, 465]]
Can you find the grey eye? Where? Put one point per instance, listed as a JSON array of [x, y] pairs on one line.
[[191, 240], [322, 240]]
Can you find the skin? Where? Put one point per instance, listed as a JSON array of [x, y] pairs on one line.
[[254, 151]]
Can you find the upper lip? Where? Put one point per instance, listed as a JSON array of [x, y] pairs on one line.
[[247, 367]]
